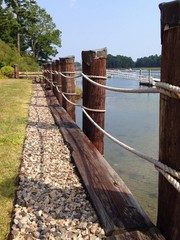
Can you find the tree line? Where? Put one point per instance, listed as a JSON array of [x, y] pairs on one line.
[[120, 61], [29, 28]]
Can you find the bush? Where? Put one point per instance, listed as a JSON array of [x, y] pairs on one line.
[[2, 76], [7, 71]]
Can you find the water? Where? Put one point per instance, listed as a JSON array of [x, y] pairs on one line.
[[133, 119]]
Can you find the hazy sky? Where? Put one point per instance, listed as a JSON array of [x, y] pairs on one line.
[[130, 28]]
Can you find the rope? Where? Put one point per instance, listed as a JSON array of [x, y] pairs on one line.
[[144, 90], [162, 168], [160, 87], [100, 77], [68, 72], [71, 94], [83, 107], [166, 87], [134, 151], [170, 179]]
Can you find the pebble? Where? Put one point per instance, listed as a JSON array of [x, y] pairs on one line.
[[51, 202]]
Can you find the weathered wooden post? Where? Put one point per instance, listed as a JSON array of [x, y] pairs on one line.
[[50, 75], [59, 81], [54, 77], [94, 66], [16, 71], [68, 84], [169, 198], [46, 75]]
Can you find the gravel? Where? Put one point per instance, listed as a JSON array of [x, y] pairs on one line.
[[51, 202]]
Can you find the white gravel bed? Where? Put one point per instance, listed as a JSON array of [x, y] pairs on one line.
[[51, 202]]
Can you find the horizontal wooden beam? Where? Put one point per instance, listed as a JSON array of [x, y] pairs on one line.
[[119, 213]]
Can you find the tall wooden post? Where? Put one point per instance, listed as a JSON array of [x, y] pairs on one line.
[[169, 198], [16, 71], [46, 75], [59, 82], [50, 75], [54, 77], [94, 64], [68, 84]]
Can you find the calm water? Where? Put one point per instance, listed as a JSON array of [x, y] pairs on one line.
[[133, 119]]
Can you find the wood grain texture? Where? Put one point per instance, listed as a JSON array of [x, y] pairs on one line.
[[94, 64], [169, 197], [68, 84], [117, 209]]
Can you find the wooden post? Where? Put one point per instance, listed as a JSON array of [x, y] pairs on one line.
[[47, 84], [50, 75], [54, 77], [94, 64], [169, 198], [44, 73], [16, 71], [68, 84], [59, 82]]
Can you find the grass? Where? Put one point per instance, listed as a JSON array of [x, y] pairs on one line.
[[14, 102]]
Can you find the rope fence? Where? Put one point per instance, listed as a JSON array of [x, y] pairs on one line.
[[61, 80], [159, 87]]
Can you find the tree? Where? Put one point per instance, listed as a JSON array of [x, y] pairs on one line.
[[19, 9], [42, 37], [119, 61], [31, 29], [8, 26], [151, 61]]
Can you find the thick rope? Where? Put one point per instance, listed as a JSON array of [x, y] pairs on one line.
[[83, 107], [164, 169], [132, 150], [166, 91], [71, 94], [160, 87], [70, 77], [170, 179], [99, 77]]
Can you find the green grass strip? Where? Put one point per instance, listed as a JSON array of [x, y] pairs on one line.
[[14, 103]]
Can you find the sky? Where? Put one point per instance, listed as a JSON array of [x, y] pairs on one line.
[[130, 28]]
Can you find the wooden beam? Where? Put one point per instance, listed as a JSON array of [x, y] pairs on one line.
[[118, 210]]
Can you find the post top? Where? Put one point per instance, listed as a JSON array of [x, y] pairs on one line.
[[170, 15], [88, 56], [68, 59]]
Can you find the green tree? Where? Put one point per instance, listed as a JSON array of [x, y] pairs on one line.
[[19, 8], [119, 61], [151, 61], [8, 26], [31, 29], [42, 37]]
